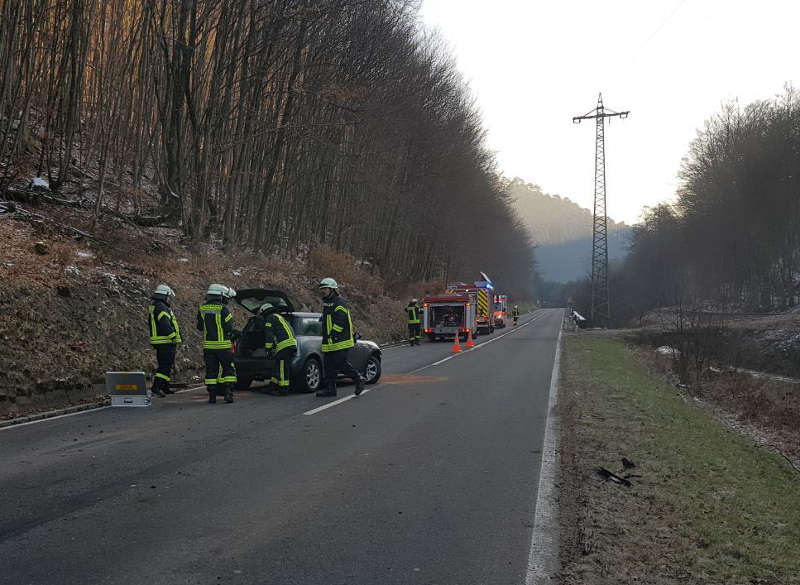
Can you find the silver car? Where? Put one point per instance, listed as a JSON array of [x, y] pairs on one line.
[[306, 370]]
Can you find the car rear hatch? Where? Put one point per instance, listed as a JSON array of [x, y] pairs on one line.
[[251, 299]]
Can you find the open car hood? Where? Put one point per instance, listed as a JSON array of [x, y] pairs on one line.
[[252, 299]]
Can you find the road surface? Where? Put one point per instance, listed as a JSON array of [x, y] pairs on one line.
[[431, 477]]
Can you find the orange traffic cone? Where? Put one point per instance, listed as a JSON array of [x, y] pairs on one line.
[[470, 343], [456, 346]]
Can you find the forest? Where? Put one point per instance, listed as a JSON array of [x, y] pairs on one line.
[[730, 241], [267, 125]]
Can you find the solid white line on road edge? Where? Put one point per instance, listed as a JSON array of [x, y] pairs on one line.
[[545, 537], [49, 418], [85, 411], [346, 398]]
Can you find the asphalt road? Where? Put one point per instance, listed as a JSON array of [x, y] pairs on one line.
[[429, 478]]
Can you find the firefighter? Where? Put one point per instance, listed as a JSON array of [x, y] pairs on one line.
[[281, 345], [515, 314], [165, 335], [216, 322], [413, 322], [337, 339]]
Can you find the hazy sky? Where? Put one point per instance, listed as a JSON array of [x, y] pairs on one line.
[[534, 64]]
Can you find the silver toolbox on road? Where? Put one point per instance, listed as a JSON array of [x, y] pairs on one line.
[[127, 389]]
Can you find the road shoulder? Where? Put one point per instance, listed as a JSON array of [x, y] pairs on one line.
[[705, 504]]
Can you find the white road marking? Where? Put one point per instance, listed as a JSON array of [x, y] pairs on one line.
[[87, 411], [49, 418], [338, 402], [480, 345], [543, 554], [346, 398]]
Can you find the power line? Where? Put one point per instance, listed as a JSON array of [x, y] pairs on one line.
[[600, 314]]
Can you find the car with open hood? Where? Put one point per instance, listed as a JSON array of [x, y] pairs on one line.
[[306, 369]]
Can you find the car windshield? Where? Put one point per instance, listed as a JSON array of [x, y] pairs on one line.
[[309, 326]]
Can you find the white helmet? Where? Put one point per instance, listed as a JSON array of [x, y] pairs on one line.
[[229, 293], [215, 290], [264, 308], [414, 301], [328, 283], [164, 291]]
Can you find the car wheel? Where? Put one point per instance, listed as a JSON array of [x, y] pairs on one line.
[[310, 377], [243, 383], [372, 371]]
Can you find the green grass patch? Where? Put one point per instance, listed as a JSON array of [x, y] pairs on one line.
[[710, 507]]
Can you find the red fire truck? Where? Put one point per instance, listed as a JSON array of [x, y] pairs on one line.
[[500, 310], [447, 315], [483, 293]]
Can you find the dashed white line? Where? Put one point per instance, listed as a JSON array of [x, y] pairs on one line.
[[480, 345], [346, 398], [338, 402]]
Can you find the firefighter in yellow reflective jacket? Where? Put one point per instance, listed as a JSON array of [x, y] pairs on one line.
[[165, 335], [515, 314], [216, 322], [414, 322], [280, 343], [337, 339]]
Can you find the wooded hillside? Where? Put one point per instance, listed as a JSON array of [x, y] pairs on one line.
[[562, 232], [270, 125]]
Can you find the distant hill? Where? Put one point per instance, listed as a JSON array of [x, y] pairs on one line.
[[562, 232]]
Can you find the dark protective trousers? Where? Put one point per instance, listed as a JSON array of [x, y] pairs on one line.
[[335, 362], [220, 370], [414, 333], [165, 357], [282, 374]]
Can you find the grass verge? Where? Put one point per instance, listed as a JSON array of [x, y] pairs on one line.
[[706, 505]]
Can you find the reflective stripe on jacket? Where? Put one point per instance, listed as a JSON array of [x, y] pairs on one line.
[[413, 314], [163, 324], [278, 333], [215, 321], [337, 325]]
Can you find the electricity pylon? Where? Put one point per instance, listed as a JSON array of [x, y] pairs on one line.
[[600, 314]]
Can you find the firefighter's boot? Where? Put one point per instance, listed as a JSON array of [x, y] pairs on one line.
[[156, 389], [359, 385], [228, 393], [212, 394], [328, 390]]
